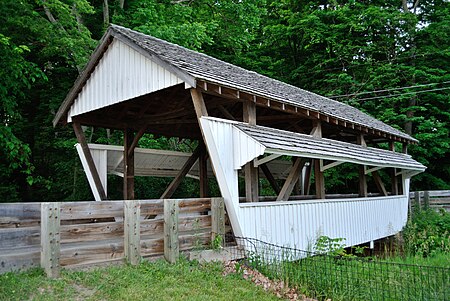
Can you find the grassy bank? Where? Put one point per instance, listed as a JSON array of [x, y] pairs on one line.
[[148, 281]]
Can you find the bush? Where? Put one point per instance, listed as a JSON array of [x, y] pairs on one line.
[[427, 233]]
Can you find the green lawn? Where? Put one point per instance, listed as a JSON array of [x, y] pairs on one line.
[[148, 281]]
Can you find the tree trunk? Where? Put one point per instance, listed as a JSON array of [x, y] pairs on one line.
[[105, 12]]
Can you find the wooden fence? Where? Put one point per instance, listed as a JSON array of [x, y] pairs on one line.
[[435, 199], [70, 234]]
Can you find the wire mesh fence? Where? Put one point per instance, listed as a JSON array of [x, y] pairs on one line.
[[324, 276]]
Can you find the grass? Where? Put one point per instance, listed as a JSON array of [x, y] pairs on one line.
[[147, 281]]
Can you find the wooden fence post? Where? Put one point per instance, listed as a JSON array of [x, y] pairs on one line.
[[132, 231], [171, 244], [217, 219], [50, 239], [417, 201], [426, 200]]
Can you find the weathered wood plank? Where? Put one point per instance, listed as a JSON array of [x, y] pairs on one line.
[[21, 211], [19, 237], [50, 239], [91, 232], [151, 247], [80, 210], [171, 245], [75, 254], [132, 231], [20, 259]]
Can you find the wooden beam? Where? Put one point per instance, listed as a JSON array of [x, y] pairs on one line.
[[90, 161], [199, 103], [362, 169], [249, 112], [291, 180], [317, 129], [183, 172], [266, 159], [319, 180], [128, 165], [270, 178], [226, 113], [362, 181], [367, 171], [135, 142], [379, 183], [250, 171], [330, 165], [394, 182]]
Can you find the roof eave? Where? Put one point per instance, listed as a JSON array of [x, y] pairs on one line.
[[290, 107], [83, 77]]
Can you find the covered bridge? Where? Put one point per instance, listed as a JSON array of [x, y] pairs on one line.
[[244, 123]]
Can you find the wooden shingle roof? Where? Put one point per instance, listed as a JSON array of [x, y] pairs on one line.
[[194, 67]]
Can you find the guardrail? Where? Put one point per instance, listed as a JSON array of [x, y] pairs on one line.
[[70, 234]]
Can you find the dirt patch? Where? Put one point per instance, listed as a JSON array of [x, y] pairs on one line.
[[279, 288], [83, 292]]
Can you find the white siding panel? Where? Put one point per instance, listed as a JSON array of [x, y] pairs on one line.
[[300, 223], [121, 74]]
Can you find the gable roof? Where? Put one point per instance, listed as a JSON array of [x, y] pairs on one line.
[[193, 66]]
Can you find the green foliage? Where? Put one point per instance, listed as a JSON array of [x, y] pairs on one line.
[[427, 234], [329, 246], [328, 47]]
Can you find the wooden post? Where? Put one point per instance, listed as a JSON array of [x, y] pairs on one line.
[[362, 169], [319, 180], [87, 154], [50, 239], [394, 179], [171, 244], [426, 200], [217, 219], [203, 171], [417, 201], [250, 171], [132, 231], [128, 165]]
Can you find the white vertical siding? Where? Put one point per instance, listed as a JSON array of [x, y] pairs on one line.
[[121, 74], [229, 149], [299, 223]]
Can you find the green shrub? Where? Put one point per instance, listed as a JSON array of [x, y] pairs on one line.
[[427, 233]]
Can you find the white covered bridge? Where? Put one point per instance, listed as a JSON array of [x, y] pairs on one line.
[[246, 124]]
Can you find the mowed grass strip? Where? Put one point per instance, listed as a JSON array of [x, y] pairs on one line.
[[147, 281]]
